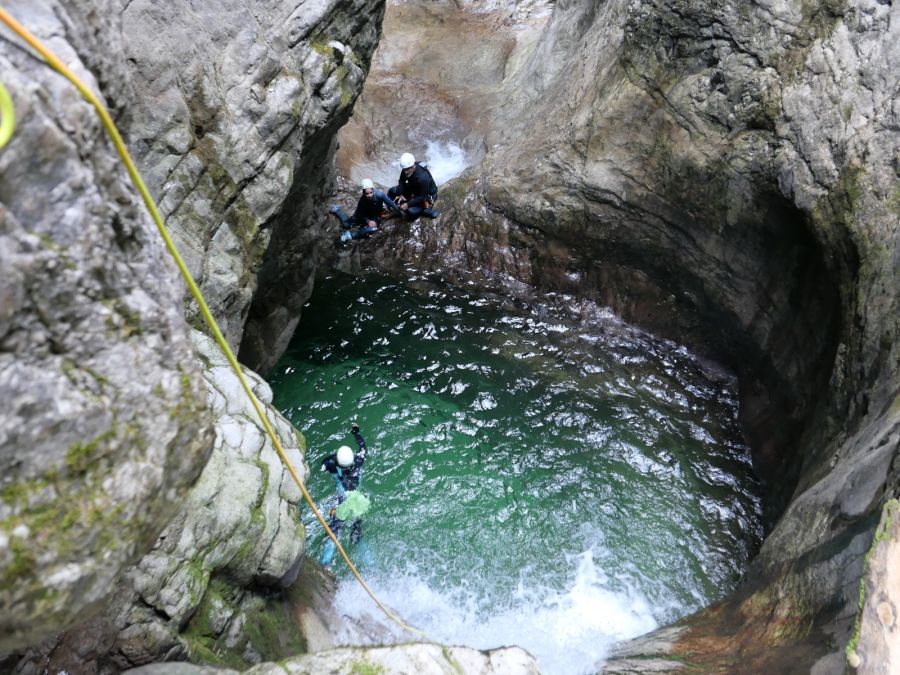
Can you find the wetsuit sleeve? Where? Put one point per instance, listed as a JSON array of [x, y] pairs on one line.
[[359, 215], [361, 444], [329, 464], [387, 201], [422, 185]]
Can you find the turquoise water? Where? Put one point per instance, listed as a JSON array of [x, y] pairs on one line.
[[541, 474]]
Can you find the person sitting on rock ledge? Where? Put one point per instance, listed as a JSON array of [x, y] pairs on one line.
[[368, 215], [345, 468], [416, 190]]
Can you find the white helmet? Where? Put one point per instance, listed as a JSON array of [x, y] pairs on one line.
[[345, 456], [407, 160], [367, 184]]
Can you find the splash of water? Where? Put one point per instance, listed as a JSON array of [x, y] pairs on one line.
[[553, 480], [446, 160], [567, 629]]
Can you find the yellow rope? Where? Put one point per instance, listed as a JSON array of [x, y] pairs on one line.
[[7, 116], [113, 132]]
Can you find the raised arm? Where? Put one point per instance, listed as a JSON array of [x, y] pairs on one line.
[[360, 441]]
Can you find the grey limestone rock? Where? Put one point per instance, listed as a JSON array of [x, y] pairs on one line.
[[875, 647], [237, 530], [230, 109], [233, 125], [215, 576], [104, 423], [726, 174]]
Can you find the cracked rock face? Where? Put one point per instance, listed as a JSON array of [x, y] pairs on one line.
[[236, 539], [726, 174], [232, 126], [239, 526], [104, 424], [229, 108]]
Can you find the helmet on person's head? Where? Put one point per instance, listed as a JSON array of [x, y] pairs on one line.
[[366, 184], [407, 160], [345, 456]]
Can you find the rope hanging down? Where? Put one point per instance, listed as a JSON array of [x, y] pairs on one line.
[[113, 132], [7, 116]]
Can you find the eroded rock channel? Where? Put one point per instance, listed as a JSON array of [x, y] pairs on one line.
[[721, 174]]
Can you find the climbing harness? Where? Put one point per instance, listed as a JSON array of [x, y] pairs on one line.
[[7, 116], [54, 62]]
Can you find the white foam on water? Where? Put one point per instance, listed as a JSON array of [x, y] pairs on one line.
[[445, 160], [569, 631]]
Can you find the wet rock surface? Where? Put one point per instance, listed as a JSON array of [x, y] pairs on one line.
[[104, 424], [724, 174]]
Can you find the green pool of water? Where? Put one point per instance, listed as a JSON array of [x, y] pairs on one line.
[[541, 474]]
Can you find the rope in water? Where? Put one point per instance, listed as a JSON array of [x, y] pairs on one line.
[[113, 132]]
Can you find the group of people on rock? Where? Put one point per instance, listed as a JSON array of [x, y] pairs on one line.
[[412, 197]]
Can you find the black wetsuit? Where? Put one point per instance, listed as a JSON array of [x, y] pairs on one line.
[[416, 188], [346, 480], [366, 209]]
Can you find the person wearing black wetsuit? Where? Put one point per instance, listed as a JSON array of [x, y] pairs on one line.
[[416, 190], [367, 217], [345, 468]]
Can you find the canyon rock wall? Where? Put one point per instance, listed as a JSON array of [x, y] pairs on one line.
[[725, 174], [233, 128], [209, 589], [104, 424], [230, 108]]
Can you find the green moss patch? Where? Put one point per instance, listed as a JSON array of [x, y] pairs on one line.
[[363, 667], [268, 627]]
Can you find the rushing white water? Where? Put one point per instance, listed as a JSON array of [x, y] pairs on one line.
[[446, 160], [566, 630]]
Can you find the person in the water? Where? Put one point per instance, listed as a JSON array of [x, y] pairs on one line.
[[345, 468], [369, 212]]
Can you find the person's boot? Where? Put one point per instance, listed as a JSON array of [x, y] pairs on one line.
[[431, 213]]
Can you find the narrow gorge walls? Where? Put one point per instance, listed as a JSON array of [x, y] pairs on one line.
[[104, 424], [229, 109], [725, 174]]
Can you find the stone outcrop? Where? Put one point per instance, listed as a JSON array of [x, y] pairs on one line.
[[874, 646], [725, 174], [424, 658], [104, 424], [233, 129], [230, 109], [209, 589]]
